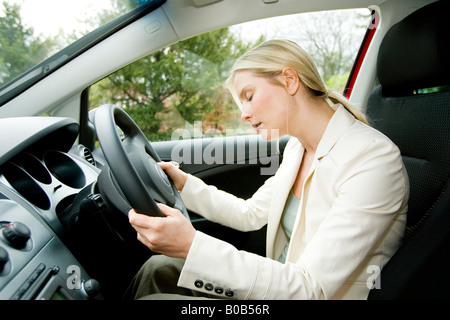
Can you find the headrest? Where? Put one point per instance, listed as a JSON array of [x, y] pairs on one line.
[[415, 53]]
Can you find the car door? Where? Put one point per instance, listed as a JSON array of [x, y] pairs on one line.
[[238, 165]]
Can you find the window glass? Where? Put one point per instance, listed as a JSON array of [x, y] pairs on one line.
[[179, 91], [32, 31]]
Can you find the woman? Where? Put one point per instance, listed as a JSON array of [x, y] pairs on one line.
[[335, 210]]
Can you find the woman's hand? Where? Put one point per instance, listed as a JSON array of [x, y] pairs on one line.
[[171, 235], [178, 177]]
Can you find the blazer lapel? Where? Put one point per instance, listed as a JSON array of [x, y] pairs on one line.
[[287, 173], [285, 180], [339, 123], [341, 120]]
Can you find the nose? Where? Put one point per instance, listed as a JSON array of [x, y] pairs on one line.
[[245, 112]]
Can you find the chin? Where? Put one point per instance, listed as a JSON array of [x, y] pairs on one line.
[[270, 134]]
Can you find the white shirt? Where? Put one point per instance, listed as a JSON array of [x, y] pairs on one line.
[[288, 220]]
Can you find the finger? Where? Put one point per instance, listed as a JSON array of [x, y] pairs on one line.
[[140, 220], [142, 239], [177, 175], [132, 216], [175, 164], [168, 168], [145, 241], [166, 165], [168, 211], [162, 164]]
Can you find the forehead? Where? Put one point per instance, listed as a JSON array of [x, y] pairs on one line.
[[244, 79], [241, 77]]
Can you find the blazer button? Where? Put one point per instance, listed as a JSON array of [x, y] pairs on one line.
[[218, 290], [209, 286], [198, 283], [229, 293]]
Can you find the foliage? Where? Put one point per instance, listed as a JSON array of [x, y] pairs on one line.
[[332, 38], [338, 82], [184, 82], [181, 83], [20, 48]]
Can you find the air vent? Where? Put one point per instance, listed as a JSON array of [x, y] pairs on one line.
[[87, 155]]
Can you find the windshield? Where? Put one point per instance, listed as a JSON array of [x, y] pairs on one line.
[[33, 31]]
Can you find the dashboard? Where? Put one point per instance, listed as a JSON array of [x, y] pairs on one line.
[[42, 171]]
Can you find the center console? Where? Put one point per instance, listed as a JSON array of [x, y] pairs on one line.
[[34, 263]]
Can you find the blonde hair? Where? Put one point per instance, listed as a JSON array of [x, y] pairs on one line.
[[270, 58]]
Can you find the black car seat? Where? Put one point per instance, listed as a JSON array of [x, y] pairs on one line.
[[412, 107]]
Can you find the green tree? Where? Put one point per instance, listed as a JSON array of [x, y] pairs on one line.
[[333, 39], [182, 82], [19, 48]]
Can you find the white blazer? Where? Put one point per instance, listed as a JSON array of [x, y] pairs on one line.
[[350, 221]]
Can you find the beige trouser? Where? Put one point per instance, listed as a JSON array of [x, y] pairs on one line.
[[157, 279]]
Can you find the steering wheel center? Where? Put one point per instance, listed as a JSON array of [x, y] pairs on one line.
[[134, 163]]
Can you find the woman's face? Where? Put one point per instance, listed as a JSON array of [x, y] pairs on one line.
[[264, 104]]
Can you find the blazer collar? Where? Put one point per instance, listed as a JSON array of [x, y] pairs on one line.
[[341, 120]]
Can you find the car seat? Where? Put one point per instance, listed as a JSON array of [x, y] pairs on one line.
[[411, 105]]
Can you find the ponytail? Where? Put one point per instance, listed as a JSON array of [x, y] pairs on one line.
[[339, 98]]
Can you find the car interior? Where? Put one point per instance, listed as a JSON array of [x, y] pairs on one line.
[[67, 180]]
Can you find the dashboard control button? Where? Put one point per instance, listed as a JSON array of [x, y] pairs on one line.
[[17, 234], [91, 288], [4, 257]]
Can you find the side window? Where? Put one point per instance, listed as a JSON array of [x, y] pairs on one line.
[[179, 90]]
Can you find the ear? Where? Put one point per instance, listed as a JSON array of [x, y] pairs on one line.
[[290, 80]]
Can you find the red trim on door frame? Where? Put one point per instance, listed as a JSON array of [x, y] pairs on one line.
[[362, 54]]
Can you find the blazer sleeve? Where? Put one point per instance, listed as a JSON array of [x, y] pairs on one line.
[[230, 273], [224, 208]]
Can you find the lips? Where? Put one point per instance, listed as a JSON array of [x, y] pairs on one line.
[[256, 125]]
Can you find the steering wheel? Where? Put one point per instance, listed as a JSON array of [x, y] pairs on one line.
[[132, 166]]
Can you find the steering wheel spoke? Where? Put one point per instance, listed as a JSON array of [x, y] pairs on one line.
[[134, 163]]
